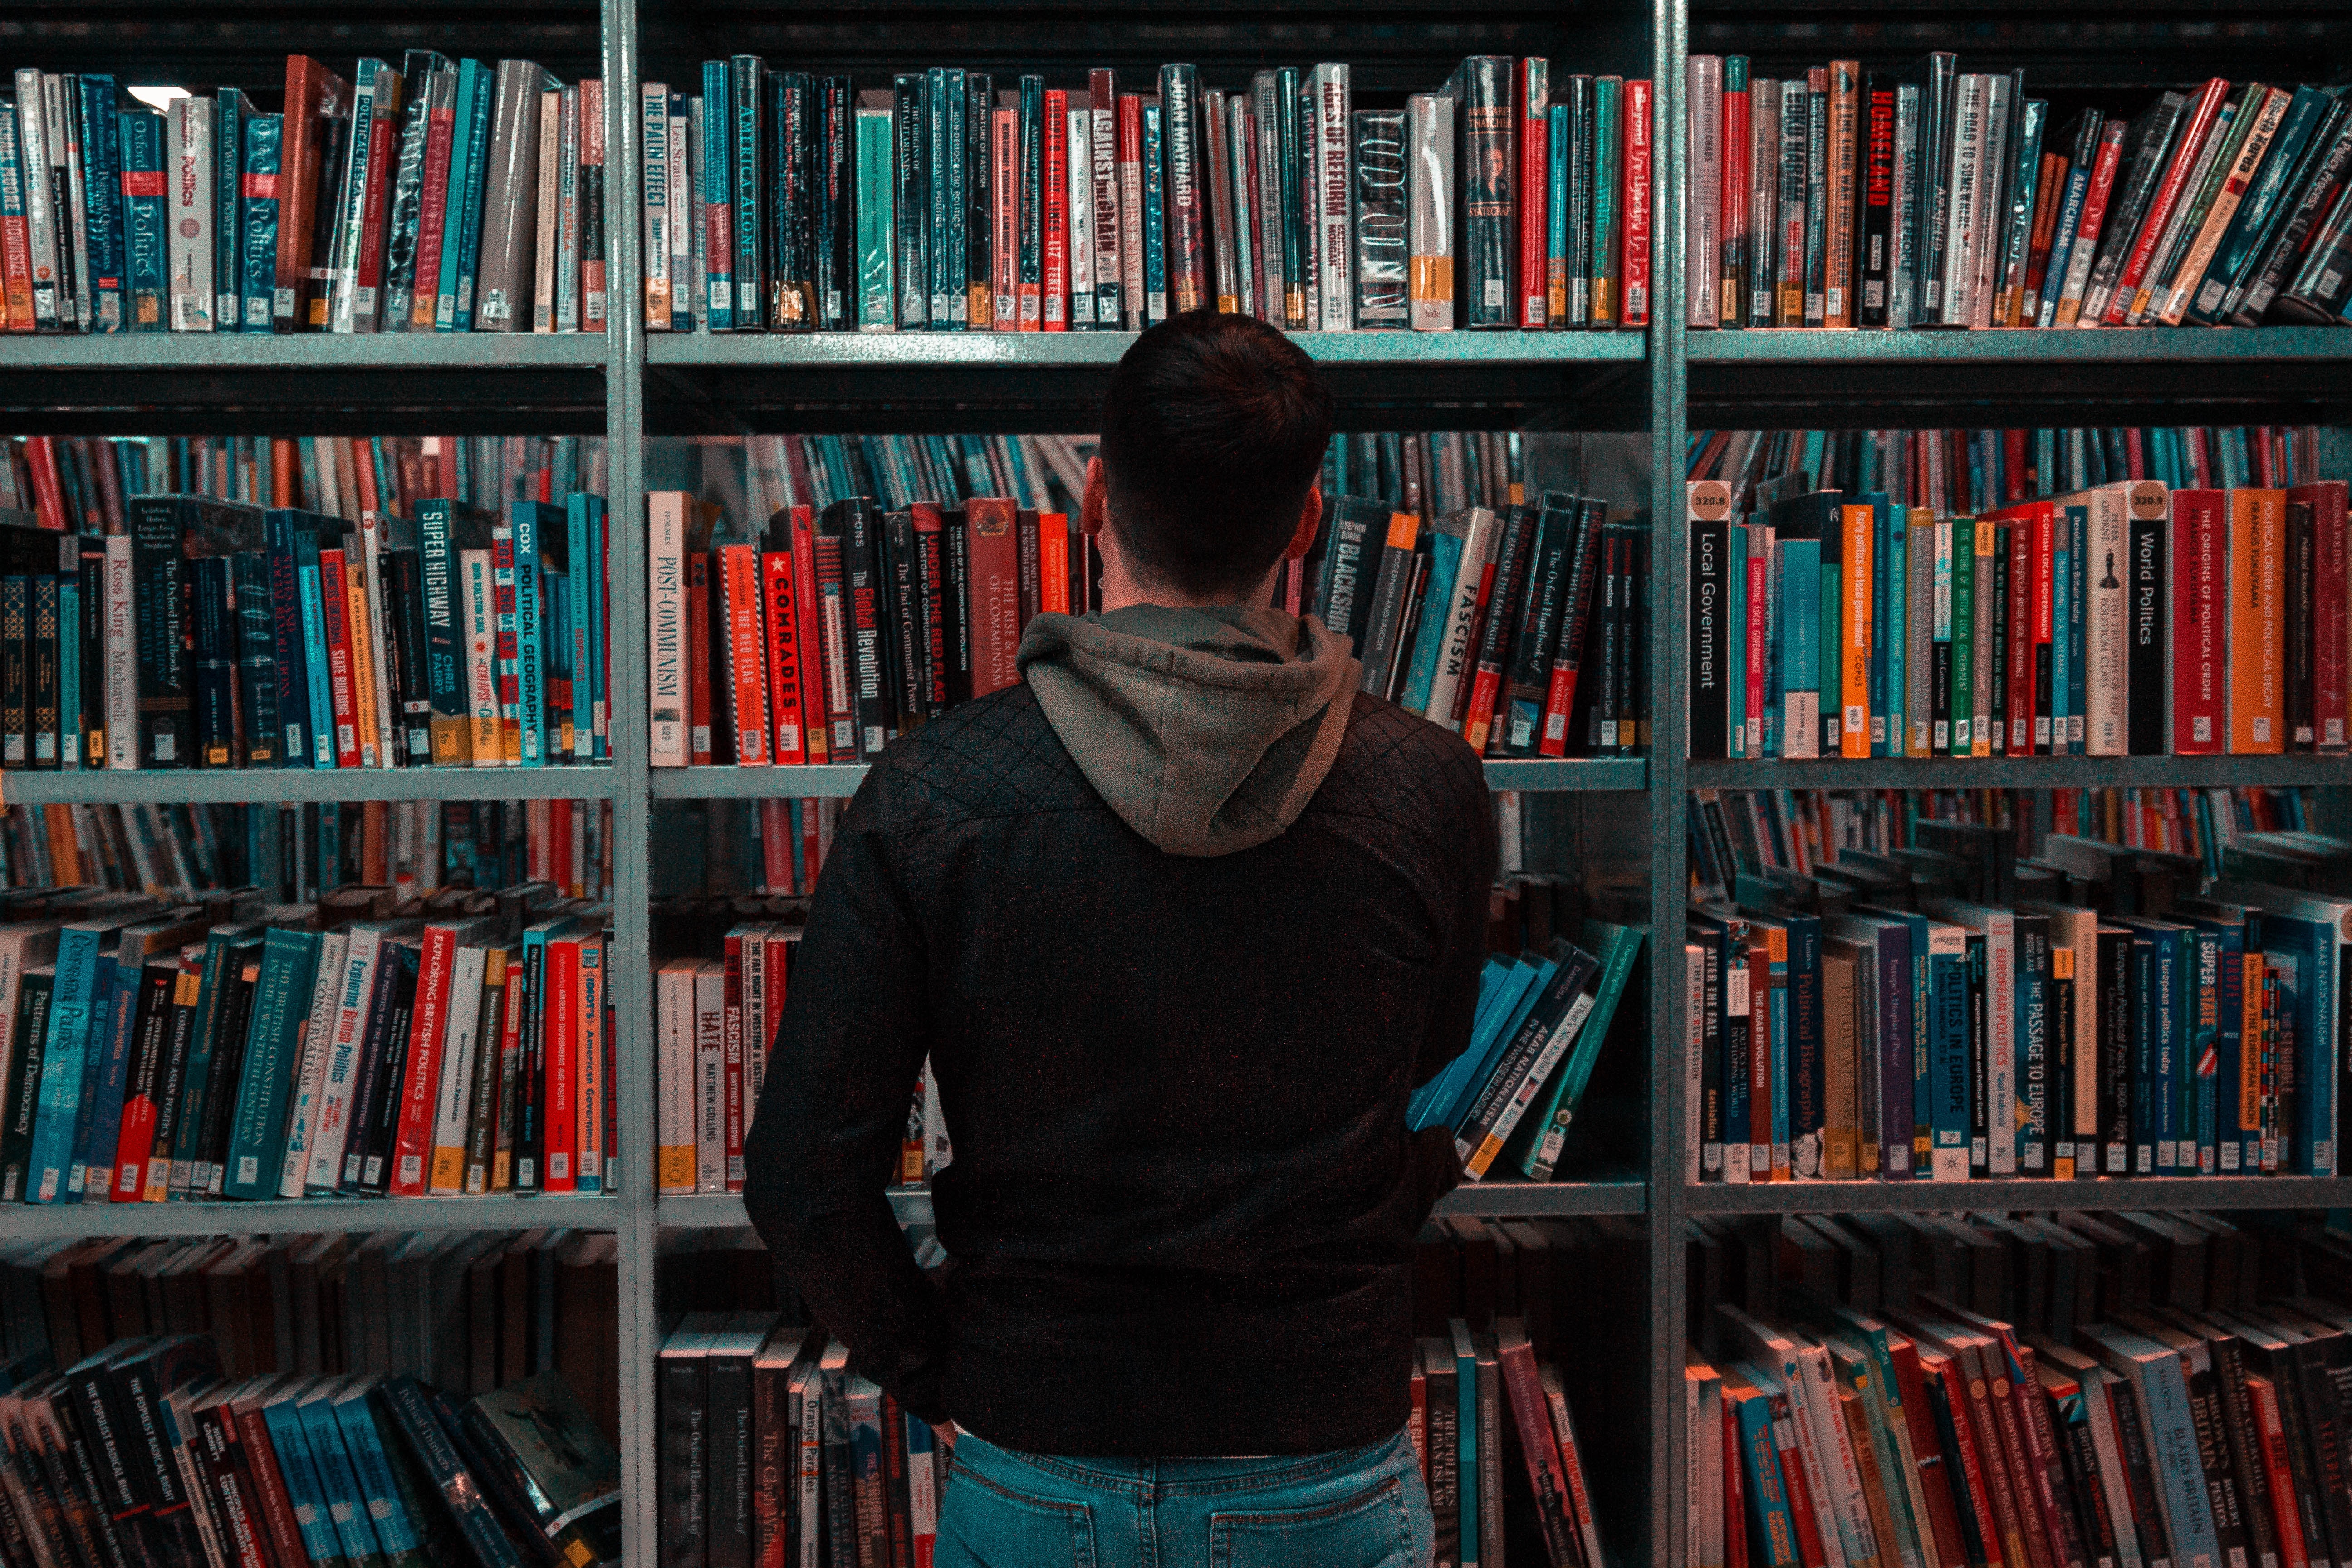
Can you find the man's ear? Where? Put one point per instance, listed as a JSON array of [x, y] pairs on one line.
[[1310, 520], [1094, 504]]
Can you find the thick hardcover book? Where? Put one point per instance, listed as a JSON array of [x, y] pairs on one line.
[[2316, 196], [1430, 220], [865, 574], [1480, 90], [315, 99], [1331, 98], [1877, 237], [1527, 676], [2146, 619], [1186, 186], [1103, 166], [145, 222], [1531, 91], [503, 278], [1381, 246], [748, 158]]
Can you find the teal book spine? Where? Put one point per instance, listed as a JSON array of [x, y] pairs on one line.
[[461, 237], [1608, 148], [104, 190], [96, 1061], [371, 1466], [1799, 624], [877, 240], [146, 263], [1445, 562], [65, 1050], [70, 728], [530, 520], [256, 1149], [581, 583], [1465, 1385], [716, 215], [1828, 703], [1155, 220], [311, 1519], [595, 576], [346, 1501], [2078, 526], [255, 225], [314, 646], [1556, 238], [746, 76], [1768, 1504], [201, 1049]]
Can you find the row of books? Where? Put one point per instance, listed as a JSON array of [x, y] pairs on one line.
[[436, 196], [1965, 473], [2244, 829], [154, 1052], [788, 841], [1543, 1017], [778, 201], [2129, 619], [1933, 197], [1949, 1011], [221, 633], [2159, 1387], [715, 1021], [469, 1310], [145, 1451], [80, 484]]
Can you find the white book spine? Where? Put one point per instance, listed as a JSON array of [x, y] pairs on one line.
[[461, 1040], [1764, 191], [1967, 169], [379, 618], [1843, 1470], [684, 301], [40, 212], [711, 1079], [2104, 654], [332, 1128], [666, 633], [121, 658], [1428, 208], [188, 156], [1739, 1155], [1335, 188], [1986, 223], [567, 244], [1812, 1461], [1904, 235], [1455, 655], [311, 1062], [674, 1036], [548, 198], [1082, 216], [653, 101], [350, 206], [1703, 204], [2098, 1415], [1102, 153]]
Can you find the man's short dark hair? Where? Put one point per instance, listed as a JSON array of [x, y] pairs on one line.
[[1213, 431]]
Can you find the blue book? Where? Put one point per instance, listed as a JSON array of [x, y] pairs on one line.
[[2205, 1052], [582, 584], [281, 999], [597, 575], [70, 725], [289, 644], [1466, 1401], [742, 121], [717, 191], [104, 208], [66, 1050], [1155, 222], [1798, 622], [2061, 248], [256, 274], [531, 519], [322, 704], [461, 234], [1437, 605], [1556, 149], [1768, 1505], [145, 267], [230, 113], [394, 1530], [1489, 1056], [1514, 989], [291, 1443], [1948, 1052], [1735, 597], [108, 1059], [337, 1481]]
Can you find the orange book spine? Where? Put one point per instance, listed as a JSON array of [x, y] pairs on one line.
[[2257, 639], [783, 654], [746, 682], [1854, 651], [1053, 562]]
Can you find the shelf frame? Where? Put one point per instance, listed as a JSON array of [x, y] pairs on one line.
[[1541, 775], [174, 786], [2020, 772], [2007, 1196], [295, 1216]]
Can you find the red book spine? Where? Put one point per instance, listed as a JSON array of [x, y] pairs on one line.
[[813, 843], [1055, 221], [1633, 201], [2270, 1432], [2045, 595], [993, 566], [1759, 570], [1053, 562], [1533, 87], [2331, 639], [277, 1502], [413, 1150], [2167, 196], [1936, 1479], [931, 576], [1135, 314], [2012, 468], [732, 1083], [1531, 1415], [697, 657], [2017, 700], [49, 495], [2201, 660], [559, 1048], [1733, 208], [333, 578], [810, 659], [370, 278], [776, 845], [783, 654], [1799, 1493], [1568, 657], [2054, 172], [747, 680], [432, 216], [1735, 1498], [559, 849]]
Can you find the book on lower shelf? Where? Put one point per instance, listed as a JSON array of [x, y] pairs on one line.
[[770, 1441], [1928, 197], [460, 1043], [2059, 1386], [2134, 617], [1955, 1003]]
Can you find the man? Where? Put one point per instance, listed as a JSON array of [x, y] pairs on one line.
[[1180, 921]]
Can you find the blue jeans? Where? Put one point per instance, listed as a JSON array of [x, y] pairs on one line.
[[1357, 1508]]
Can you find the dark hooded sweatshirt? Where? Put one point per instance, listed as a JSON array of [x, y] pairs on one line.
[[1180, 922]]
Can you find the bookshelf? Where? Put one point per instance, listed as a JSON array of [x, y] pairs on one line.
[[631, 386]]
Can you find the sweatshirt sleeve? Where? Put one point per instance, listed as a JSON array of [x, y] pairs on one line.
[[1470, 866], [832, 1114]]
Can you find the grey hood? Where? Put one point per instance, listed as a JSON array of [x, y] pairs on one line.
[[1206, 729]]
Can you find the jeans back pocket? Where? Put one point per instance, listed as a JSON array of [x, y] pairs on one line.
[[1369, 1530], [985, 1525]]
